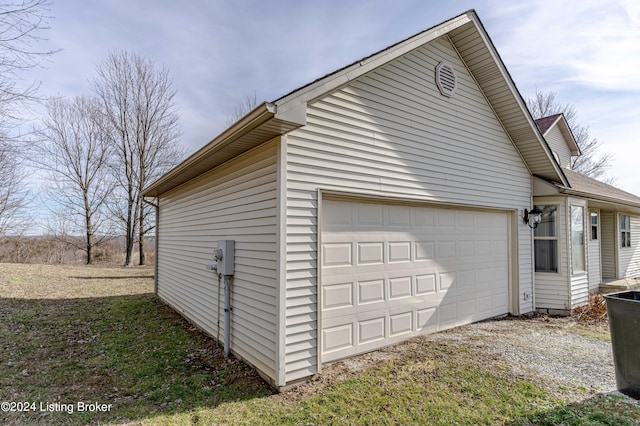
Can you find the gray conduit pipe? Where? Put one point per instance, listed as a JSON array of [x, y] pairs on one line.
[[227, 315]]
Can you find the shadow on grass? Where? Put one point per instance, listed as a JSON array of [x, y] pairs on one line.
[[612, 409], [130, 352], [114, 277]]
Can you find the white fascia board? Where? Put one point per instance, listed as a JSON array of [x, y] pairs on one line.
[[516, 94], [568, 135], [563, 125], [611, 200], [295, 114], [254, 118]]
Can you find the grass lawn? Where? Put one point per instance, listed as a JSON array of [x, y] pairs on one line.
[[98, 335]]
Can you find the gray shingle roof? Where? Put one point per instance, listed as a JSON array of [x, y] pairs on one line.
[[595, 189]]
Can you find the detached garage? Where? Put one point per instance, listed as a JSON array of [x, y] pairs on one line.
[[380, 202]]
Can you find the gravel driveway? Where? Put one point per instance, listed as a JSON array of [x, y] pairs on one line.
[[555, 353], [544, 350]]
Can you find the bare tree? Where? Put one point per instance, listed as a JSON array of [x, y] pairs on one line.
[[137, 101], [590, 163], [242, 108], [21, 23], [74, 151], [13, 196]]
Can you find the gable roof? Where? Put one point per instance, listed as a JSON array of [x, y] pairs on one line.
[[547, 123], [288, 112], [584, 186]]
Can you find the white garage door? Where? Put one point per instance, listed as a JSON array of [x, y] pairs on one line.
[[390, 272]]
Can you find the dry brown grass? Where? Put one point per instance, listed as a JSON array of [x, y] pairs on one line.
[[594, 311], [23, 281]]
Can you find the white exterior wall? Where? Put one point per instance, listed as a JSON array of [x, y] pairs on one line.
[[238, 201], [391, 133], [629, 257], [556, 142], [595, 271], [564, 290], [580, 280], [608, 244], [552, 289]]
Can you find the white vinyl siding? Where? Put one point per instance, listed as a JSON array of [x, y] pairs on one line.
[[564, 290], [237, 201], [608, 231], [391, 133], [558, 145], [629, 257], [595, 273], [552, 288], [579, 278]]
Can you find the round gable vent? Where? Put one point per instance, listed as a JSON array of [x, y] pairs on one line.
[[446, 79]]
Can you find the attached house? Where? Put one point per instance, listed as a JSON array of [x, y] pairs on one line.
[[380, 202], [589, 231]]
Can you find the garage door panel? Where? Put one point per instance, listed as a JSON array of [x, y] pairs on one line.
[[336, 255], [384, 305], [447, 315], [445, 250], [401, 323], [399, 252], [390, 272], [337, 338], [337, 296], [369, 215], [371, 330], [370, 253], [425, 284], [400, 288], [369, 292], [424, 251]]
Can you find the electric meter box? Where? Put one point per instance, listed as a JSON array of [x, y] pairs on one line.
[[225, 257]]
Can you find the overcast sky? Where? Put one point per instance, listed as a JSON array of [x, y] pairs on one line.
[[588, 51]]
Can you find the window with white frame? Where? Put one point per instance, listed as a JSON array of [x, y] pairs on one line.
[[594, 225], [545, 240], [625, 231], [577, 240]]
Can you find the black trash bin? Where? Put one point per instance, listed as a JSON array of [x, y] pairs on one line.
[[624, 323]]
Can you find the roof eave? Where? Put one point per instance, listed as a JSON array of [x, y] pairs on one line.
[[597, 197], [553, 171], [568, 134], [260, 125]]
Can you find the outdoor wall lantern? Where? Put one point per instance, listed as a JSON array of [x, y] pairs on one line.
[[532, 217]]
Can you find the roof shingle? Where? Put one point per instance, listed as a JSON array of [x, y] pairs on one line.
[[545, 123], [597, 189]]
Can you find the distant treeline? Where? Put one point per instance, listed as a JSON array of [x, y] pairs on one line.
[[49, 249]]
